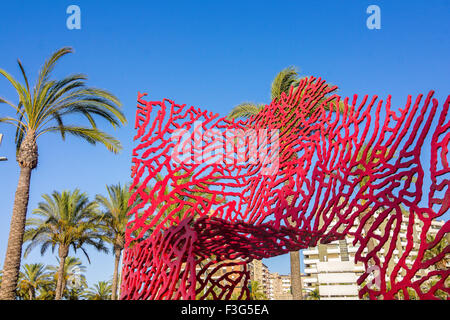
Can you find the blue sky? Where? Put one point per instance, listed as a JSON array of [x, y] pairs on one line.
[[210, 54]]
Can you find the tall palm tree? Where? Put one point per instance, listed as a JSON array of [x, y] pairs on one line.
[[32, 278], [42, 109], [282, 83], [69, 219], [114, 221], [74, 279], [100, 291]]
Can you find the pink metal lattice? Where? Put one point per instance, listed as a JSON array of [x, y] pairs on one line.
[[212, 193]]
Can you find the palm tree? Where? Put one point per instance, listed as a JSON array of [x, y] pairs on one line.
[[313, 295], [101, 291], [114, 221], [42, 109], [256, 291], [282, 83], [69, 219], [74, 279], [31, 279]]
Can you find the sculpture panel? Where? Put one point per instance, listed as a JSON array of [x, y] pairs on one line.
[[212, 192]]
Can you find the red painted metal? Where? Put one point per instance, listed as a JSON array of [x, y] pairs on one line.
[[201, 204]]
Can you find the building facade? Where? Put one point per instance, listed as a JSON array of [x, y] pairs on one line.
[[280, 287], [331, 267], [260, 273]]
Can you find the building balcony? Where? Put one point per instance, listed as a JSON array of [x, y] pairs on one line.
[[309, 280], [310, 270], [337, 278], [334, 259], [339, 290], [311, 251], [360, 268], [310, 261]]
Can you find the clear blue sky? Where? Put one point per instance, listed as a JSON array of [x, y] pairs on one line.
[[210, 54]]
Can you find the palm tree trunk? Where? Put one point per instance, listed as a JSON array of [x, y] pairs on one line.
[[296, 278], [370, 243], [117, 253], [296, 281], [63, 252], [11, 266]]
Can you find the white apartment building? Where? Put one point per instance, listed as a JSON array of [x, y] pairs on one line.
[[260, 273], [331, 268], [280, 287]]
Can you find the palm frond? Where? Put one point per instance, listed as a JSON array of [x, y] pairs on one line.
[[283, 81], [91, 135], [245, 110], [49, 104], [48, 67]]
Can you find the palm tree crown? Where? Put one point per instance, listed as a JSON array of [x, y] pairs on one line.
[[115, 214], [31, 279], [45, 107], [100, 291], [69, 219], [282, 83], [114, 221], [49, 106]]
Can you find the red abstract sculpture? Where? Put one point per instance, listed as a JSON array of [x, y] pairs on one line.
[[211, 193]]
